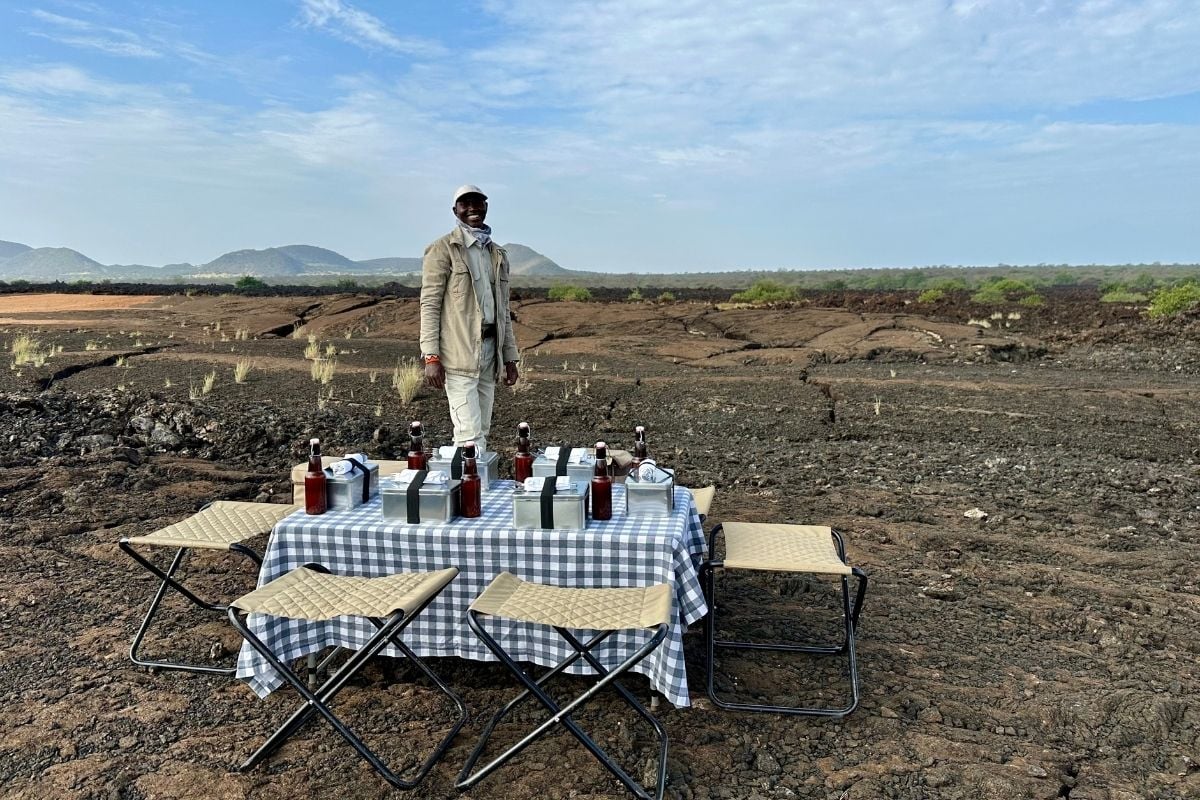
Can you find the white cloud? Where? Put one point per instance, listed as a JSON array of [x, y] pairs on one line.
[[83, 34], [360, 28]]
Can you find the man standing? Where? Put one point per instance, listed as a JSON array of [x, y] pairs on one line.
[[466, 330]]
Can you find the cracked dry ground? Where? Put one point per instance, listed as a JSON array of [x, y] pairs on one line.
[[1047, 651]]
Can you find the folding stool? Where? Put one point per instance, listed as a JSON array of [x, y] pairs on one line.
[[311, 593], [220, 525], [703, 499], [603, 610], [784, 548]]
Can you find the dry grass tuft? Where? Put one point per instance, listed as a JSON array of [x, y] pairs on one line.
[[27, 350], [242, 369], [209, 381], [407, 379], [323, 369]]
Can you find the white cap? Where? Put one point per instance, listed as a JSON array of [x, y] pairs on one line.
[[468, 188]]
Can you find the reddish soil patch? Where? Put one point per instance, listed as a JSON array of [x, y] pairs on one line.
[[1050, 650]]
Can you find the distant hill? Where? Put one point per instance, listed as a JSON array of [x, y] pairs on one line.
[[311, 256], [52, 264], [10, 249], [384, 266], [527, 261], [299, 262]]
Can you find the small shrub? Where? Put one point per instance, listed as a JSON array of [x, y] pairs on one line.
[[931, 296], [210, 380], [1032, 301], [241, 370], [578, 294], [1175, 299], [312, 350], [249, 283], [346, 284], [1003, 290], [665, 297], [1122, 295], [635, 296], [765, 291]]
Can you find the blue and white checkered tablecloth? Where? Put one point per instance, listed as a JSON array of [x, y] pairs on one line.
[[624, 551]]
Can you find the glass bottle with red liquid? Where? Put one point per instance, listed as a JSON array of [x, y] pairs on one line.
[[315, 498], [416, 446], [471, 491], [523, 460], [640, 450], [601, 485]]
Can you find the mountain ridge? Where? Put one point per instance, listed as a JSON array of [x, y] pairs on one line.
[[22, 262]]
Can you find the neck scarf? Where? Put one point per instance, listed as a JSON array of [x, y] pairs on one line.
[[482, 235]]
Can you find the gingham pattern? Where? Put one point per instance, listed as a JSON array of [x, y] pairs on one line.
[[624, 551]]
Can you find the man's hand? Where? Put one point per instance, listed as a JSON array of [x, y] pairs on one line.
[[435, 375], [510, 373]]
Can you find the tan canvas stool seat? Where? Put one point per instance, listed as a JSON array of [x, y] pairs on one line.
[[605, 611], [221, 525], [703, 498], [390, 602], [812, 549]]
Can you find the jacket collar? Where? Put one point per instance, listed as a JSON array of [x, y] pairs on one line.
[[457, 237]]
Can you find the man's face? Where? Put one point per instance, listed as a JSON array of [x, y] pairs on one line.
[[471, 209]]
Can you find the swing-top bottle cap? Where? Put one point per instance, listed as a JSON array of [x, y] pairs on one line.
[[640, 429], [522, 426], [314, 440], [469, 450], [416, 423]]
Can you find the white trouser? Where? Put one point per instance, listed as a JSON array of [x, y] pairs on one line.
[[471, 400]]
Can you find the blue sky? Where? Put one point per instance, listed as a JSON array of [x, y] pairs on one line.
[[611, 135]]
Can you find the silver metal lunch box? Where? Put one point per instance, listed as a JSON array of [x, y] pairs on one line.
[[567, 509], [579, 473], [649, 498], [437, 502], [488, 467], [346, 491]]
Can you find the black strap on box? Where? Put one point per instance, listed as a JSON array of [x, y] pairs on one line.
[[456, 464], [564, 456], [549, 487], [413, 496], [355, 464]]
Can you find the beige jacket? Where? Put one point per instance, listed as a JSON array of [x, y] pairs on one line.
[[450, 316]]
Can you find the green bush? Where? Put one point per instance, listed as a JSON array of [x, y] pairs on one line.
[[665, 297], [249, 282], [1120, 294], [635, 296], [1170, 301], [346, 284], [765, 291], [564, 292], [949, 285], [931, 296], [1032, 301], [1005, 290]]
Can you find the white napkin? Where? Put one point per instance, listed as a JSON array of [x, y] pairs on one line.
[[405, 477], [576, 457], [650, 473], [344, 467], [446, 452], [563, 482]]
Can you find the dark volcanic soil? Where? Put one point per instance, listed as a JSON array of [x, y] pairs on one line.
[[1049, 650]]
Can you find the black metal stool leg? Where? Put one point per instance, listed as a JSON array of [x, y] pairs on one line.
[[168, 580], [317, 702], [850, 612], [562, 714]]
